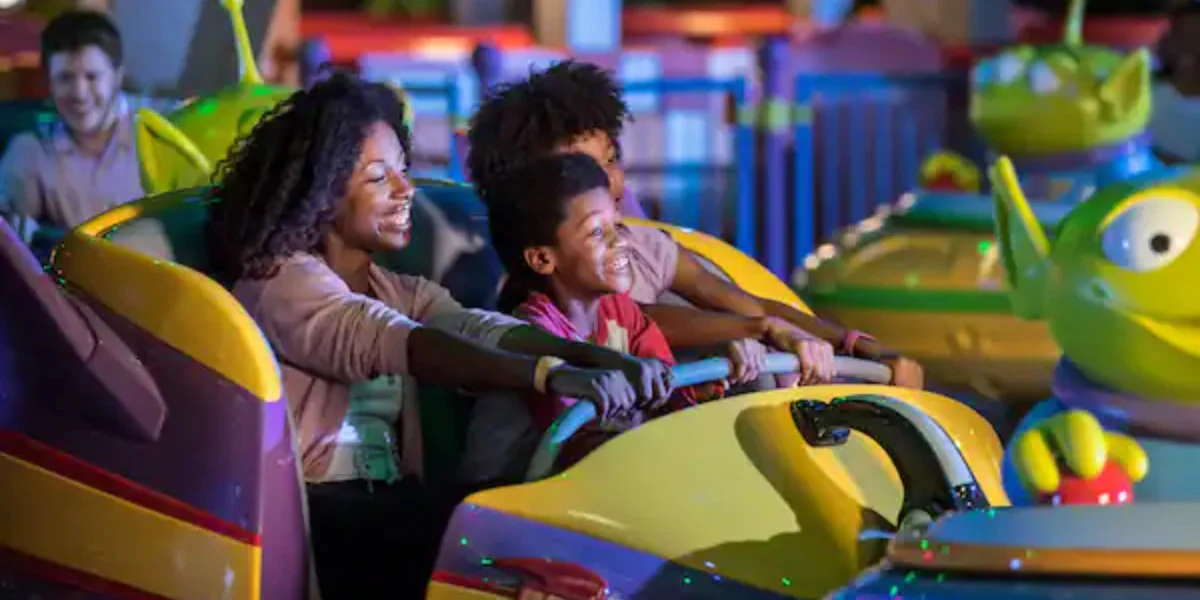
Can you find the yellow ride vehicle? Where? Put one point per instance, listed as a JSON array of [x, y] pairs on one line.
[[158, 460]]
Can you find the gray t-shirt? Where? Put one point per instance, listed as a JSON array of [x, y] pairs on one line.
[[654, 259]]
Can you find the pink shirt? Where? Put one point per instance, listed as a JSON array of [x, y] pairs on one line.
[[327, 338], [45, 178], [654, 257], [621, 326]]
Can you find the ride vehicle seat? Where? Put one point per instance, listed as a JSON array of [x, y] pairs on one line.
[[143, 432]]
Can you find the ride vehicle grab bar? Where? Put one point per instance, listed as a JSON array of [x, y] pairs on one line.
[[935, 476], [702, 371]]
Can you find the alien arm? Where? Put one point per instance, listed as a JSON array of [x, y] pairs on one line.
[[155, 133], [1008, 473]]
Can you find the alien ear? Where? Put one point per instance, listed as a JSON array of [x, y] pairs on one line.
[[168, 159], [1023, 243], [1127, 87]]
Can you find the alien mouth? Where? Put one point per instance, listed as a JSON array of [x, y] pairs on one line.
[[1183, 333]]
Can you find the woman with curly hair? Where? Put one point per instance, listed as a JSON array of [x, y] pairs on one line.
[[301, 204]]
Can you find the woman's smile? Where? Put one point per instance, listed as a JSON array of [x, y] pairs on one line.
[[397, 219]]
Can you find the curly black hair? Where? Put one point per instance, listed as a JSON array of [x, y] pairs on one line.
[[277, 192], [525, 120], [527, 206]]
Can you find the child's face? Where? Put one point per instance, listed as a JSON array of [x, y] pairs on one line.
[[591, 256], [603, 150]]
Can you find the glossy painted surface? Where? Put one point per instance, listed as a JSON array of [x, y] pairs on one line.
[[177, 511], [1146, 540], [178, 305], [899, 583], [749, 275], [71, 524], [1145, 526], [478, 537], [790, 500]]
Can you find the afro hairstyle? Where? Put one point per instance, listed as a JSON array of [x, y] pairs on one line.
[[519, 122]]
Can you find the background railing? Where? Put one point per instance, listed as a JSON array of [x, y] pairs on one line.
[[859, 141], [707, 181]]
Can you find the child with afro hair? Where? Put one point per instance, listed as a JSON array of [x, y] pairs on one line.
[[577, 107]]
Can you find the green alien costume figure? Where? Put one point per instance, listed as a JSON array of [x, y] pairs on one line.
[[181, 149], [1120, 289], [1071, 116]]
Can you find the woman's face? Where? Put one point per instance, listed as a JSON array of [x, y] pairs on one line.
[[603, 150], [591, 256], [376, 213]]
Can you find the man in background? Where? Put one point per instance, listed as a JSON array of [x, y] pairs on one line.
[[84, 163]]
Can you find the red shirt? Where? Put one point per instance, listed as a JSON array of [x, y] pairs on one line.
[[621, 326]]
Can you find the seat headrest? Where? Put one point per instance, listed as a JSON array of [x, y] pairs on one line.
[[167, 227]]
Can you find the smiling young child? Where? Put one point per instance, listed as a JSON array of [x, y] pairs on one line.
[[556, 228], [575, 106]]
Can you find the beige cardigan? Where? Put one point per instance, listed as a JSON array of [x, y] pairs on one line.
[[327, 337]]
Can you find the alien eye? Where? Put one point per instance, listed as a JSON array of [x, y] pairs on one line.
[[1008, 68], [1043, 80], [1150, 234]]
